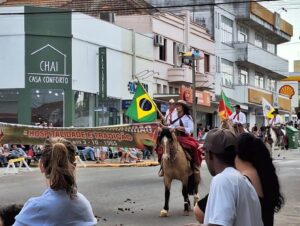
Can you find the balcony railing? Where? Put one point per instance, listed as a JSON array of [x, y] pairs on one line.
[[180, 75]]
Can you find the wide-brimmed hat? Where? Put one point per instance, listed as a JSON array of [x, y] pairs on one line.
[[275, 111], [237, 106], [171, 101], [183, 103]]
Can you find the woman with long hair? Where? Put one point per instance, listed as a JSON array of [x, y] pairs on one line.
[[60, 204], [254, 161]]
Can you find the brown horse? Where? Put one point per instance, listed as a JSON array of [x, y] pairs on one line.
[[176, 166], [236, 129]]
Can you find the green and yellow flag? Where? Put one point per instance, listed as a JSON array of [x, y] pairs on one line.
[[142, 107]]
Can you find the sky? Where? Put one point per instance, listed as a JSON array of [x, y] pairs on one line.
[[289, 50]]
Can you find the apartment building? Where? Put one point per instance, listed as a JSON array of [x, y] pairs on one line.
[[247, 65]]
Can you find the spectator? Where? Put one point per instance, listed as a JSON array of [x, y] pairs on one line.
[[60, 204], [147, 152], [101, 153], [3, 156], [255, 130], [8, 213], [232, 199], [87, 152], [19, 152], [254, 161]]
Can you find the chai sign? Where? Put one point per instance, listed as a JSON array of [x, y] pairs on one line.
[[48, 66]]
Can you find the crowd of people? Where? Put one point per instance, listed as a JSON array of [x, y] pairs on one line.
[[14, 151]]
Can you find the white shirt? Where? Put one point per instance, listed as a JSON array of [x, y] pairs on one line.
[[276, 120], [187, 123], [171, 116], [240, 118], [232, 201]]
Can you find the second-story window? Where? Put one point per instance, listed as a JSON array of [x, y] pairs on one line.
[[259, 40], [206, 63], [163, 51], [243, 76], [227, 73], [165, 89], [259, 80], [272, 85], [227, 30], [158, 88], [270, 47], [242, 34]]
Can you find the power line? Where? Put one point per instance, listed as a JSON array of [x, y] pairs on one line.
[[137, 8]]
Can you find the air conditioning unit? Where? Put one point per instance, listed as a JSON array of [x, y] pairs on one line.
[[181, 48], [158, 40]]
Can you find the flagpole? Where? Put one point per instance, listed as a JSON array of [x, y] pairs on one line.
[[159, 112]]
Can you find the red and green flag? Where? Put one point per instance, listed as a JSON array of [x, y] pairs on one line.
[[225, 109], [142, 107]]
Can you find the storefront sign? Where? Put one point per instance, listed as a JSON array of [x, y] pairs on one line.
[[284, 103], [132, 87], [102, 73], [255, 96], [133, 135], [48, 66], [203, 98]]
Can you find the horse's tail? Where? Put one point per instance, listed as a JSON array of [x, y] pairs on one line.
[[191, 184]]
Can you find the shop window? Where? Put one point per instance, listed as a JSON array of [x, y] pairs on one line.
[[109, 112], [9, 105], [84, 109], [47, 105]]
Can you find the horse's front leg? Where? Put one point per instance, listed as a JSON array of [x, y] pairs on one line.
[[164, 211], [187, 204]]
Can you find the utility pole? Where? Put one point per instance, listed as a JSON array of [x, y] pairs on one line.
[[189, 58], [194, 105]]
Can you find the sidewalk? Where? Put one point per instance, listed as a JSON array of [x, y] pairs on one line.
[[290, 154], [116, 163]]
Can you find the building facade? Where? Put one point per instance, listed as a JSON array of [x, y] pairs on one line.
[[68, 69], [247, 65], [172, 36]]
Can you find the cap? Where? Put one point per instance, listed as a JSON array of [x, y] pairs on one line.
[[217, 140], [172, 101]]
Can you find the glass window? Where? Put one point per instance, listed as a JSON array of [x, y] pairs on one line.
[[259, 80], [171, 89], [109, 111], [243, 76], [227, 30], [84, 109], [242, 34], [206, 63], [271, 47], [47, 105], [165, 89], [9, 105], [176, 91], [163, 51], [258, 40], [272, 85], [158, 88], [227, 73]]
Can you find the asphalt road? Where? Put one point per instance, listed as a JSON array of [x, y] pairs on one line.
[[135, 196]]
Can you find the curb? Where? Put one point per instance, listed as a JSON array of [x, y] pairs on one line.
[[117, 165]]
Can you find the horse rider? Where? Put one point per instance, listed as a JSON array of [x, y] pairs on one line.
[[171, 113], [276, 123], [238, 119], [183, 126]]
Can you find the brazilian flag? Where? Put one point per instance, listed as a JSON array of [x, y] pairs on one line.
[[142, 107]]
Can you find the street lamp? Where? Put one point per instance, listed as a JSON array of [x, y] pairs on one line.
[[189, 58]]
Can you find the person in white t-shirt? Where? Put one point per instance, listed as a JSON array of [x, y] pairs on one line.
[[232, 199], [171, 113]]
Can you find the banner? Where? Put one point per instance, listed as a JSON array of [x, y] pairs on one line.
[[131, 135]]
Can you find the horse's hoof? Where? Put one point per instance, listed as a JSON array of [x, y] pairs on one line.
[[163, 213], [186, 213]]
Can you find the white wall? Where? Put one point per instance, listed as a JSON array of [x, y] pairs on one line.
[[12, 48], [88, 35]]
